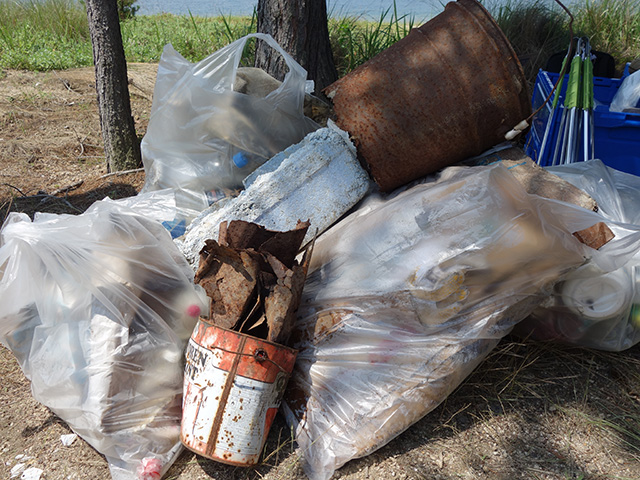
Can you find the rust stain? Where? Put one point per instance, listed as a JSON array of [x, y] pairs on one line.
[[595, 236], [230, 279], [217, 421]]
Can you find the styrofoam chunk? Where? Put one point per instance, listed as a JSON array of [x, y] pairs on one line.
[[17, 469], [318, 180]]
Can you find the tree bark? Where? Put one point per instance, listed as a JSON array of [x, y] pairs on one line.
[[121, 145], [300, 28]]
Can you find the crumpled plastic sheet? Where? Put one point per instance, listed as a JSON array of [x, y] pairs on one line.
[[628, 94], [97, 309], [407, 295], [592, 307]]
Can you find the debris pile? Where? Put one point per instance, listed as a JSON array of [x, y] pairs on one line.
[[252, 279]]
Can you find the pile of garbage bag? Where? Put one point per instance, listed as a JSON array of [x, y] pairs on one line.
[[408, 294], [97, 309], [594, 307], [407, 289]]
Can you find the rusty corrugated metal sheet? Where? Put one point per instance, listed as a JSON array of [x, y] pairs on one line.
[[449, 90], [252, 278]]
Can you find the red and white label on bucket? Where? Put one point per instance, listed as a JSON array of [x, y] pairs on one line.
[[235, 420]]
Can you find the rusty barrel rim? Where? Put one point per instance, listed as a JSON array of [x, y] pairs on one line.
[[448, 91], [241, 334]]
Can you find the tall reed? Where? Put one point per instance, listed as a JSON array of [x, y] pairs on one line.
[[612, 25], [354, 41], [535, 31]]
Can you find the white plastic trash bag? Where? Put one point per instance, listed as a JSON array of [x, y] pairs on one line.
[[592, 307], [628, 94], [97, 309], [203, 136], [407, 295]]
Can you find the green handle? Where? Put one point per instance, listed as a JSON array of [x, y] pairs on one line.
[[556, 95], [573, 87], [587, 84]]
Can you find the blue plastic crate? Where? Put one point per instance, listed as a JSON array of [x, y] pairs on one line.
[[617, 135]]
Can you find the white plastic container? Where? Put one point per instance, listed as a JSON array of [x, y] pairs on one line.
[[599, 297]]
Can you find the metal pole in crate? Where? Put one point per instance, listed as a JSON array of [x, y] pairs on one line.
[[571, 101], [554, 105], [557, 151], [561, 135], [587, 103]]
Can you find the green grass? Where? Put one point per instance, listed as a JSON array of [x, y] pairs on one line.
[[144, 37], [613, 25], [43, 35], [534, 30], [53, 34], [354, 41]]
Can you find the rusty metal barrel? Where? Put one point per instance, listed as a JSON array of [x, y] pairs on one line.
[[448, 91], [233, 385]]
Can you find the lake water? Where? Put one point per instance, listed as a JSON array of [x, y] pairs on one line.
[[368, 9]]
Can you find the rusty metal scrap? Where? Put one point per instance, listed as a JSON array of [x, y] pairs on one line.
[[230, 279], [282, 245], [595, 236], [282, 304], [253, 279]]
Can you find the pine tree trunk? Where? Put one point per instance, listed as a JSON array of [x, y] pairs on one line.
[[121, 145], [300, 27]]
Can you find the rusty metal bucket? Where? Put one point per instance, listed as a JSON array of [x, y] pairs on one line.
[[233, 386], [447, 91]]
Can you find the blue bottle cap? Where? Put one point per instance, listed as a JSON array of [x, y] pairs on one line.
[[240, 160]]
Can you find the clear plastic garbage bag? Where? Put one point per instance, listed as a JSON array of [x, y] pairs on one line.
[[163, 206], [407, 295], [97, 309], [203, 136], [593, 307], [627, 98]]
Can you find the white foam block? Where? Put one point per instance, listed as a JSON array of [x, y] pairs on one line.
[[318, 179]]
